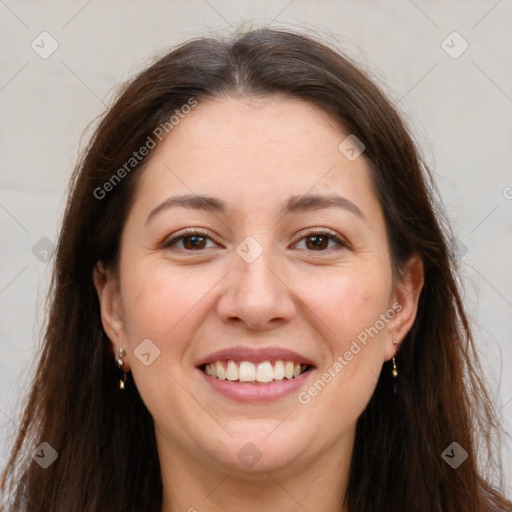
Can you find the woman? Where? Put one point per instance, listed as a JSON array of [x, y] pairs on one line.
[[254, 306]]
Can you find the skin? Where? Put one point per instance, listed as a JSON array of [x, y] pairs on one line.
[[254, 154]]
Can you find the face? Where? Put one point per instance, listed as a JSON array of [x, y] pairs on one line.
[[271, 272]]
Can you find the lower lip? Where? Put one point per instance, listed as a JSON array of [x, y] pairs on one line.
[[257, 392]]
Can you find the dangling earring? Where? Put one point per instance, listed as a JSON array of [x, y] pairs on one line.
[[394, 371], [120, 363]]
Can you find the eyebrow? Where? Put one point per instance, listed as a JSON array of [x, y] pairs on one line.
[[294, 204]]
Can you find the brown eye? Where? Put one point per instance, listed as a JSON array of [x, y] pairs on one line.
[[193, 242], [317, 242]]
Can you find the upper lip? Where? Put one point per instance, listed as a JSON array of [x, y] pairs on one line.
[[255, 355]]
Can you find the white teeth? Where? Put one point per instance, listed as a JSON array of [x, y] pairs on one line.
[[247, 371], [232, 371], [279, 370], [219, 371], [265, 372], [288, 370]]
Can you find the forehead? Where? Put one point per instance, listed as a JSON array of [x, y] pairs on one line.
[[255, 152]]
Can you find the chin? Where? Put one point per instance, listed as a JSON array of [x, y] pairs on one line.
[[256, 448]]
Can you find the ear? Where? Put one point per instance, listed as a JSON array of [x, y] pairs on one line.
[[107, 288], [404, 302]]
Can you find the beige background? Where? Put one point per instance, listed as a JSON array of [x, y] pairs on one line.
[[460, 109]]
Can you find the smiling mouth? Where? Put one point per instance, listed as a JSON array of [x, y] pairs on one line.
[[257, 373]]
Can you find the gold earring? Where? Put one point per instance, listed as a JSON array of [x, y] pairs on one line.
[[394, 371], [120, 364]]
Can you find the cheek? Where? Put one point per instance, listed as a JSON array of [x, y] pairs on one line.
[[347, 302], [166, 308], [348, 307], [156, 299], [166, 305]]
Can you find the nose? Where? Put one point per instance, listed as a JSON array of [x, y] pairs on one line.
[[256, 295]]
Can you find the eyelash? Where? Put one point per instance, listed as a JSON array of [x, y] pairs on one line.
[[332, 236]]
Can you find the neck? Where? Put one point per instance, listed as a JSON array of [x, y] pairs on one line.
[[317, 485]]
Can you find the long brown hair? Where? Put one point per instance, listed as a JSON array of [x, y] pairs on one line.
[[107, 457]]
